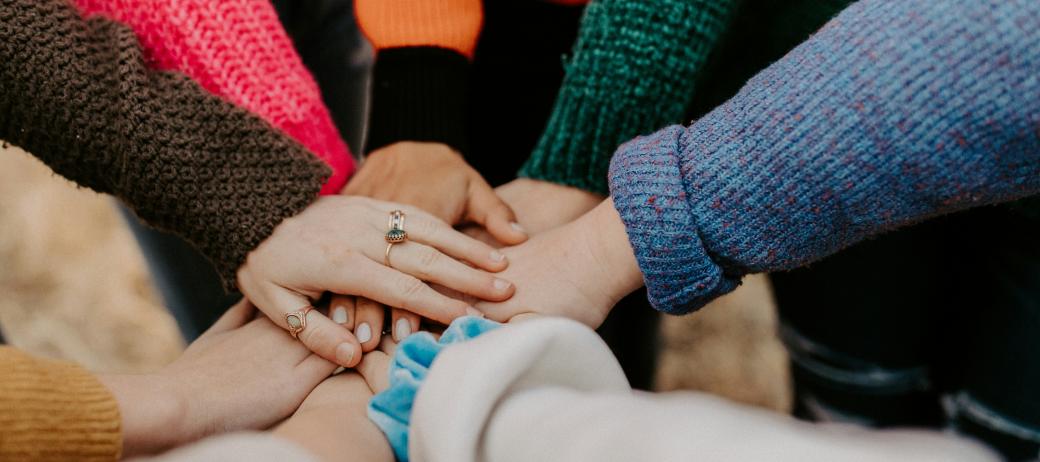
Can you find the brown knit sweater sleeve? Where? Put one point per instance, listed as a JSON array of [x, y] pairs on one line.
[[54, 411], [77, 94]]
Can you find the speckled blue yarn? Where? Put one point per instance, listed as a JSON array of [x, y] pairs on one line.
[[894, 112]]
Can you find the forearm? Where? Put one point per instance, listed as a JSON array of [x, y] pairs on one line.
[[77, 95], [353, 437], [609, 252], [54, 411], [614, 90], [421, 73], [238, 50], [891, 114], [151, 413]]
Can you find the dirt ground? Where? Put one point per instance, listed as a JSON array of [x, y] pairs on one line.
[[74, 286]]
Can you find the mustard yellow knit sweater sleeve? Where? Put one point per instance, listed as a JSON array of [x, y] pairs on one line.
[[54, 411]]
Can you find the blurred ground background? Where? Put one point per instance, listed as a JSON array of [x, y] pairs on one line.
[[74, 286]]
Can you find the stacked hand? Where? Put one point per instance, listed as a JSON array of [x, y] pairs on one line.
[[337, 245]]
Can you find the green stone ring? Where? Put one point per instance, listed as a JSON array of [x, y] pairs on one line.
[[396, 236]]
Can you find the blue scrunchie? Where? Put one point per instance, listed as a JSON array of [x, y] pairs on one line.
[[391, 409]]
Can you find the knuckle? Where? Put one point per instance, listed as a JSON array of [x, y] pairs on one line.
[[427, 227], [411, 287], [321, 340], [429, 257]]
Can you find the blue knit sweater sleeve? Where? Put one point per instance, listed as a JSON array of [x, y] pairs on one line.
[[894, 112]]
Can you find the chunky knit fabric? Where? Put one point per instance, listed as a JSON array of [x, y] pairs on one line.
[[78, 95], [236, 49], [632, 72], [55, 411], [894, 112]]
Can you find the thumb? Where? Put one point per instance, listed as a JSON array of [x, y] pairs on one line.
[[491, 212]]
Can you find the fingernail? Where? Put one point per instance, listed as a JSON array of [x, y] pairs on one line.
[[339, 315], [345, 353], [471, 311], [501, 284], [497, 256], [363, 332], [402, 329], [516, 226], [338, 370]]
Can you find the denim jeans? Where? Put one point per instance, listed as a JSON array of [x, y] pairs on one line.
[[937, 325]]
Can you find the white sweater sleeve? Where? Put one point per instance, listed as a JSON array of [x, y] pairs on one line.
[[550, 390]]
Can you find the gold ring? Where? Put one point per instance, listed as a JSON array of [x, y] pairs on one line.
[[386, 256], [297, 321]]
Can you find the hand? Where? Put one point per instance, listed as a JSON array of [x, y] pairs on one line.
[[543, 205], [242, 373], [579, 270], [337, 245], [539, 206], [332, 423], [433, 177]]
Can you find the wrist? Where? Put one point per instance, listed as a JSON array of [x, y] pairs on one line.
[[151, 413], [336, 433], [619, 266]]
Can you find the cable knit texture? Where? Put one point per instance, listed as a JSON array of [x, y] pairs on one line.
[[236, 49], [55, 411], [632, 72], [896, 111], [77, 94]]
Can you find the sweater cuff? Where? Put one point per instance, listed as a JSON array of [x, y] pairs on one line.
[[419, 94], [585, 129], [646, 184], [391, 409], [55, 410]]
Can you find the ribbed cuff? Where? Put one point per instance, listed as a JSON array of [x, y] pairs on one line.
[[419, 94], [648, 191], [588, 124], [614, 91], [55, 411]]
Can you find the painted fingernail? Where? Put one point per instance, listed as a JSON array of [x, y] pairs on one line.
[[502, 284], [402, 329], [516, 226], [497, 256], [363, 332], [345, 353], [339, 315], [471, 311]]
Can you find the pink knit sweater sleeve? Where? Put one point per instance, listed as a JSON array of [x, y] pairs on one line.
[[238, 50]]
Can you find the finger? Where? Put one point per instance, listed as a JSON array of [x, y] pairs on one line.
[[404, 324], [373, 368], [427, 229], [320, 335], [236, 316], [388, 346], [368, 325], [313, 369], [394, 288], [491, 212], [342, 311], [429, 264]]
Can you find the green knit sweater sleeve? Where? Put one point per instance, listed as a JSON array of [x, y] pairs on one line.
[[632, 72]]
